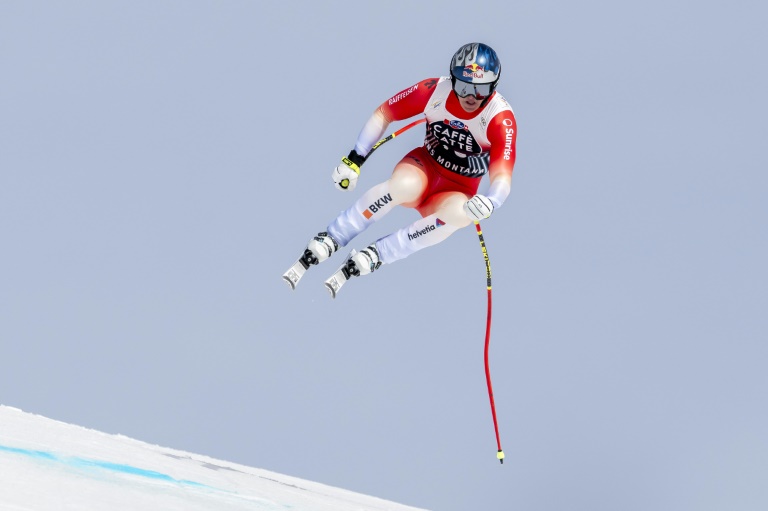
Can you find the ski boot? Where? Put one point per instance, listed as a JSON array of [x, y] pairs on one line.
[[357, 264], [319, 248]]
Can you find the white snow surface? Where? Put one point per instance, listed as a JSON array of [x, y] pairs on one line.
[[47, 465]]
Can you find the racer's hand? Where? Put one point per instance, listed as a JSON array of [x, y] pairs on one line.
[[478, 208], [345, 175]]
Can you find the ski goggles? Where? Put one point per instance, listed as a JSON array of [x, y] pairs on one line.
[[478, 90]]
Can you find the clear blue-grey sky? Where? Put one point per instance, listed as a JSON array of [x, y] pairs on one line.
[[162, 163]]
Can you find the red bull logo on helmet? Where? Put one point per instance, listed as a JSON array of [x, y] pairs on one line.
[[473, 71], [476, 63]]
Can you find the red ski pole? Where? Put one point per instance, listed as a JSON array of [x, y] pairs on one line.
[[500, 453]]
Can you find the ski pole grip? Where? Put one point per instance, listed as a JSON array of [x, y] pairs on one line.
[[348, 161]]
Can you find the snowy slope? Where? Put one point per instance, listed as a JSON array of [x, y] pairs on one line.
[[47, 465]]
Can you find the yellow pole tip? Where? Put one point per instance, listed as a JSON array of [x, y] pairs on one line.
[[500, 455]]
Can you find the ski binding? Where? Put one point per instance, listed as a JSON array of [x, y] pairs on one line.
[[299, 268], [340, 276]]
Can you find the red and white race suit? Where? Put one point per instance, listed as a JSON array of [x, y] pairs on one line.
[[459, 149]]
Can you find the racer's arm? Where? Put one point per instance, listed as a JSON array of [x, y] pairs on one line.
[[406, 103], [502, 134], [403, 105]]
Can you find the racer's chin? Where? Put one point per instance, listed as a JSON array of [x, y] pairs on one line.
[[470, 103]]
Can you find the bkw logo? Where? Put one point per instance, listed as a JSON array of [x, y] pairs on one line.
[[376, 206]]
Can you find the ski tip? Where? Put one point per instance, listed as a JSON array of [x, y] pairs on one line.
[[290, 283], [330, 290]]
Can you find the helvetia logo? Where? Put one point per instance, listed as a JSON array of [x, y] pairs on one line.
[[426, 230]]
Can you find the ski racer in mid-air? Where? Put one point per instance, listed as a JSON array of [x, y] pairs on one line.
[[471, 131]]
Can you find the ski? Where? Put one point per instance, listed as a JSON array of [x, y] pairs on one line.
[[299, 268], [339, 277]]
